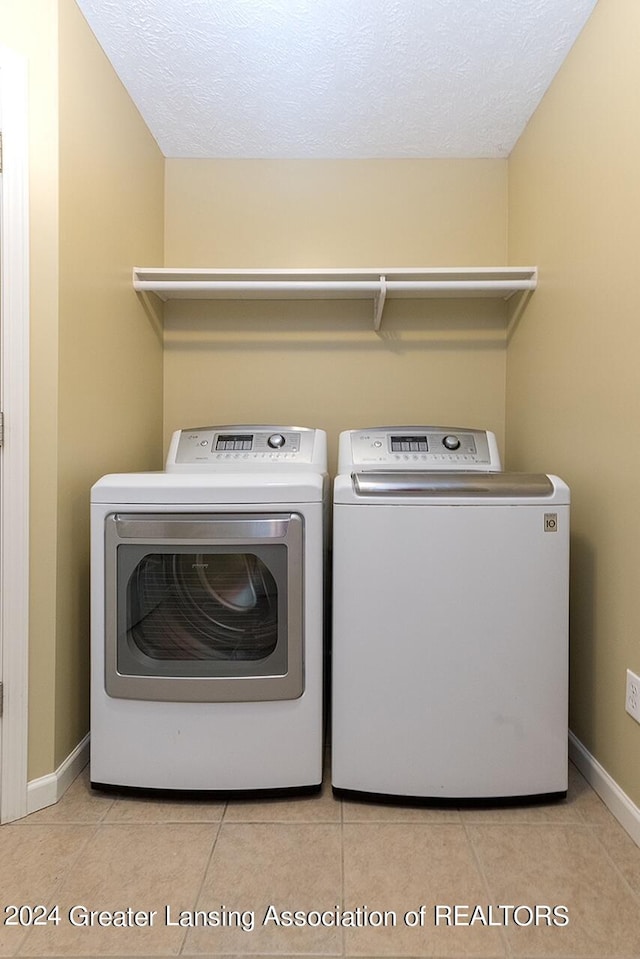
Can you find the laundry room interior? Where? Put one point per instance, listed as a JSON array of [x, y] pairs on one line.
[[552, 372]]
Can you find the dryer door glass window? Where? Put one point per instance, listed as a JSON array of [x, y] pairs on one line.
[[216, 619], [199, 612]]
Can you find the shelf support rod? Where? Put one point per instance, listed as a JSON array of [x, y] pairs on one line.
[[378, 304]]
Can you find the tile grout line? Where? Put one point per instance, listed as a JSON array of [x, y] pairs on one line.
[[205, 871], [55, 897], [485, 882], [342, 885], [595, 829]]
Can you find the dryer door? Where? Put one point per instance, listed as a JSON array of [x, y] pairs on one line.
[[204, 608]]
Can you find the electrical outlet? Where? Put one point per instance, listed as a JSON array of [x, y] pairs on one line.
[[632, 701]]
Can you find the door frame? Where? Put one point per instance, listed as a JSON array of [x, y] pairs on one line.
[[14, 460]]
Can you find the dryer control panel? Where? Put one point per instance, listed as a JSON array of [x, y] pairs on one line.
[[246, 448], [418, 447]]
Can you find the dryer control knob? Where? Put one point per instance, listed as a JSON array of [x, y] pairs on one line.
[[451, 442], [276, 441]]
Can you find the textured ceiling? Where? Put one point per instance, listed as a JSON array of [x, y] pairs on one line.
[[336, 78]]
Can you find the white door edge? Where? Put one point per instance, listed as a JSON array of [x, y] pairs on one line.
[[14, 460]]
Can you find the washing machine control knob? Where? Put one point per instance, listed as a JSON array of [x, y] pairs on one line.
[[451, 442], [276, 441]]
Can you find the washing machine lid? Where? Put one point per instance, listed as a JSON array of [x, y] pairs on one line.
[[428, 483], [169, 489], [410, 487]]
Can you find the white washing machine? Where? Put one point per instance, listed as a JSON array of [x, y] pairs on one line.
[[207, 615], [450, 616]]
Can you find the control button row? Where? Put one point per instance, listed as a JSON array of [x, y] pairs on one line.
[[256, 456], [439, 457]]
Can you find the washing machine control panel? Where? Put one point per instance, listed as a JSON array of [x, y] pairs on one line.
[[421, 448], [242, 447]]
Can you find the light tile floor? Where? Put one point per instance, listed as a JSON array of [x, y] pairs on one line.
[[246, 861]]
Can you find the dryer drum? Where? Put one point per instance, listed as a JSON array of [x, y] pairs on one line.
[[208, 606]]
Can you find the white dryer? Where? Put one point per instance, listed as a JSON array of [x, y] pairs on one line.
[[450, 620], [207, 615]]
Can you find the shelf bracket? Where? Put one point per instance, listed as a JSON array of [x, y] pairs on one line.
[[378, 304]]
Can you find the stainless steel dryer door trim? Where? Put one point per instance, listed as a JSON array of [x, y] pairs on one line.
[[194, 529], [280, 676]]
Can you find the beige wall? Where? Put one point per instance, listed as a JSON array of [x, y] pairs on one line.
[[319, 363], [110, 351], [573, 388], [96, 198]]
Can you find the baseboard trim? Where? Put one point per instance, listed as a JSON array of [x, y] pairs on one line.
[[47, 790], [617, 801]]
